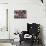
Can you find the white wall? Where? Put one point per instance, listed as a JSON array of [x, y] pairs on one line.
[[3, 1], [35, 13]]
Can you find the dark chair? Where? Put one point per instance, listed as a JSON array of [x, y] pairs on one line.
[[32, 29]]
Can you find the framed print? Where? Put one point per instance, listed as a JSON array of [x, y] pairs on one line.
[[20, 14]]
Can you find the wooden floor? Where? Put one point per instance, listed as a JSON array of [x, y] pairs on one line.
[[27, 44]]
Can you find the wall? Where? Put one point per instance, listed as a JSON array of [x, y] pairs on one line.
[[3, 1], [35, 13]]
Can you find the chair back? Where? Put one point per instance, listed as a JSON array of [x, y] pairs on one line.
[[33, 28]]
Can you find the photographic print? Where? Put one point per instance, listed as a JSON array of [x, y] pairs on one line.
[[20, 14]]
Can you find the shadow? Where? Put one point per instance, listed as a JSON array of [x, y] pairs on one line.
[[41, 35]]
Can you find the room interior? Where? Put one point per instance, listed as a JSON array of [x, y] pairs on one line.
[[28, 11]]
